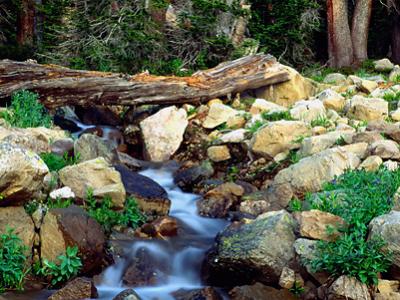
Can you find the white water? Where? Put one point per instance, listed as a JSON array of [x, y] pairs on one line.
[[182, 255]]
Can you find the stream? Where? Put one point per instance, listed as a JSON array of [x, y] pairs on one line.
[[179, 258]]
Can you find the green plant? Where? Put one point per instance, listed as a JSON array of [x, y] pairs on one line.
[[357, 197], [56, 162], [276, 116], [297, 289], [392, 98], [31, 206], [298, 140], [104, 212], [13, 267], [293, 157], [340, 141], [253, 128], [68, 267], [321, 121], [232, 173], [295, 205], [26, 111], [59, 203]]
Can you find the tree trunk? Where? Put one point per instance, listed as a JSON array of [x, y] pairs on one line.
[[396, 38], [340, 47], [359, 30], [26, 23], [58, 86]]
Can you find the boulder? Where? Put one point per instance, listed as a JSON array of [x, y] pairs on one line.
[[62, 146], [386, 149], [77, 289], [335, 78], [289, 92], [387, 296], [387, 227], [90, 146], [38, 139], [63, 193], [319, 225], [69, 227], [277, 137], [371, 163], [128, 294], [163, 133], [348, 288], [95, 174], [310, 173], [332, 100], [383, 65], [235, 136], [367, 86], [218, 115], [308, 110], [261, 105], [20, 222], [367, 109], [206, 293], [388, 286], [149, 195], [315, 144], [219, 201], [218, 153], [395, 115], [259, 291], [368, 137], [258, 250], [21, 174], [187, 178]]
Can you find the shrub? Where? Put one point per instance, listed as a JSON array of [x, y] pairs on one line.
[[104, 212], [357, 197], [27, 111], [276, 116], [13, 267], [68, 267], [321, 121]]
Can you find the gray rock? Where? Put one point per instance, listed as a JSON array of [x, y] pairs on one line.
[[90, 146], [348, 288]]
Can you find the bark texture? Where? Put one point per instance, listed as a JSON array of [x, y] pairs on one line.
[[340, 47], [396, 39], [58, 86], [26, 23], [359, 31]]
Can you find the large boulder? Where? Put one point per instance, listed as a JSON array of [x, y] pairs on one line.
[[16, 219], [315, 144], [150, 196], [277, 137], [21, 174], [77, 289], [386, 149], [289, 92], [95, 174], [69, 227], [163, 133], [38, 139], [90, 146], [310, 173], [257, 250], [367, 109], [261, 105], [387, 227], [332, 100]]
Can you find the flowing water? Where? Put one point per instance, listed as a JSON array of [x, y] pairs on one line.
[[177, 261]]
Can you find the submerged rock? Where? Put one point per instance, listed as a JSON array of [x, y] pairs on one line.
[[77, 289], [72, 226], [21, 174], [150, 196], [206, 293], [259, 291], [187, 178], [163, 133], [258, 250]]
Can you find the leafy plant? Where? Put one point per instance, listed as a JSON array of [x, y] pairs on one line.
[[232, 173], [104, 212], [293, 157], [68, 267], [297, 289], [59, 203], [295, 205], [56, 162], [253, 128], [321, 121], [276, 116], [340, 141], [392, 98], [357, 197], [26, 111], [13, 267]]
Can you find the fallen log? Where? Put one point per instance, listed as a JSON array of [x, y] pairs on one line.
[[58, 86]]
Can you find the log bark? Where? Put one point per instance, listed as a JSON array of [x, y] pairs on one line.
[[340, 47], [359, 31], [58, 86], [395, 44], [26, 23]]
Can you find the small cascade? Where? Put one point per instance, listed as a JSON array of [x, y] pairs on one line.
[[177, 261]]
